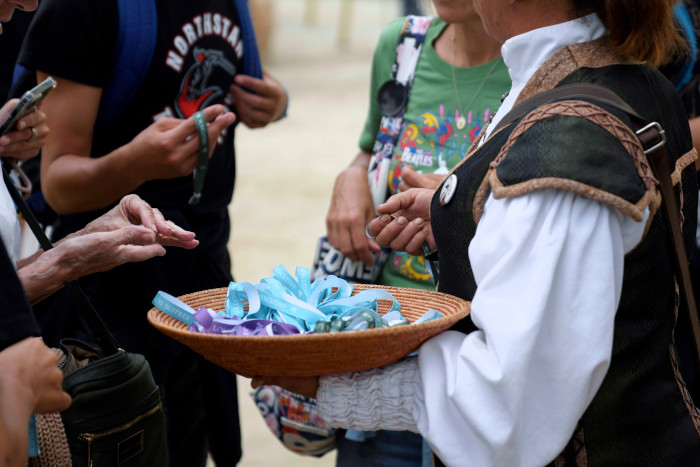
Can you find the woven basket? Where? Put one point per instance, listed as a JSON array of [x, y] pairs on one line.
[[316, 354]]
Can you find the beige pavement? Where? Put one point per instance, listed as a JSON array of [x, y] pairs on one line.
[[286, 171]]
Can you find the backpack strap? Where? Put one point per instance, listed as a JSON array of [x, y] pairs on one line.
[[136, 42], [393, 100]]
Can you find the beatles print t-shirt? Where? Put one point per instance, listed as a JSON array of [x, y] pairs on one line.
[[431, 140]]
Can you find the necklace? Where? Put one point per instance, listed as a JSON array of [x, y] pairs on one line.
[[462, 120]]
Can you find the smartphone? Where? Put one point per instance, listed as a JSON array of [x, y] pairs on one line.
[[27, 102]]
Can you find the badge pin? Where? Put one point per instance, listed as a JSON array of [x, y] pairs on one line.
[[448, 189]]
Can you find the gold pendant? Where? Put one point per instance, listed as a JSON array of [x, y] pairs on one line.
[[461, 122]]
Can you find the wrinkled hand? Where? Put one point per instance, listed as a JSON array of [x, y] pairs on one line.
[[16, 143], [265, 104], [304, 385], [404, 222], [31, 366], [169, 147], [350, 209], [133, 211], [412, 179]]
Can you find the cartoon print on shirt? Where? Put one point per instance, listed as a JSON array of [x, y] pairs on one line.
[[433, 144], [202, 65], [195, 94]]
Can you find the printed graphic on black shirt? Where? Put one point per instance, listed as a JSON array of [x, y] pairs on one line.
[[206, 55]]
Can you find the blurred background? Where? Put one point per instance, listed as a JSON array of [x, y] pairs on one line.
[[322, 51]]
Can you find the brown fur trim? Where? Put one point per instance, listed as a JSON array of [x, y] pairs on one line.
[[593, 54]]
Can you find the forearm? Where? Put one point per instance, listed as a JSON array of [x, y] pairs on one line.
[[75, 183], [15, 411], [45, 275]]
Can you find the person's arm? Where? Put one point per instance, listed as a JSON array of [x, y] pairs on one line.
[[545, 306], [72, 181], [30, 383], [131, 231], [350, 210]]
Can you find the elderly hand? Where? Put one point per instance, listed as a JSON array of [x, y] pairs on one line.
[[404, 222], [265, 104], [304, 385], [132, 210], [349, 211], [26, 139]]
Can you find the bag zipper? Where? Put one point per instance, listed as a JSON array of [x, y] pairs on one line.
[[90, 437]]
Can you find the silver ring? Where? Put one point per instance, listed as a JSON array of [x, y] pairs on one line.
[[367, 232], [35, 134]]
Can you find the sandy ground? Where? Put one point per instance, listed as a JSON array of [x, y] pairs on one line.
[[286, 171]]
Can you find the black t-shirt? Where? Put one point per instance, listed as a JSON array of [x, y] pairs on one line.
[[16, 318], [198, 52]]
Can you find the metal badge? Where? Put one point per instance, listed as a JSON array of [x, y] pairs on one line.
[[448, 189]]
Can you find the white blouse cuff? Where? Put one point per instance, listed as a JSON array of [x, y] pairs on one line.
[[384, 398]]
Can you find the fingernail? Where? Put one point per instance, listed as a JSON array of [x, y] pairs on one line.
[[385, 219], [402, 221], [148, 237], [418, 221]]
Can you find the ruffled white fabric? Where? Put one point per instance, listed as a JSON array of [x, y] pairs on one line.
[[381, 399]]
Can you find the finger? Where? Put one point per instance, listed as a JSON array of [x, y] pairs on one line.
[[257, 381], [176, 242], [255, 85], [187, 127], [398, 233], [360, 244], [32, 119], [396, 203], [254, 101], [217, 127], [137, 211]]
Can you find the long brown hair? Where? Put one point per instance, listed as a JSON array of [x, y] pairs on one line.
[[642, 29]]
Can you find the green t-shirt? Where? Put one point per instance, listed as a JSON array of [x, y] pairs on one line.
[[430, 140]]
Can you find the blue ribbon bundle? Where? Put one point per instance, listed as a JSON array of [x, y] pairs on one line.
[[283, 304]]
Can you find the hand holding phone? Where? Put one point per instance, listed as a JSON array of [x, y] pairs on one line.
[[27, 103]]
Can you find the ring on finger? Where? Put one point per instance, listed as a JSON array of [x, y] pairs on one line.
[[367, 232], [35, 134]]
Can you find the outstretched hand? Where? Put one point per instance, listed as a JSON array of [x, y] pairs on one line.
[[133, 211], [404, 222]]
